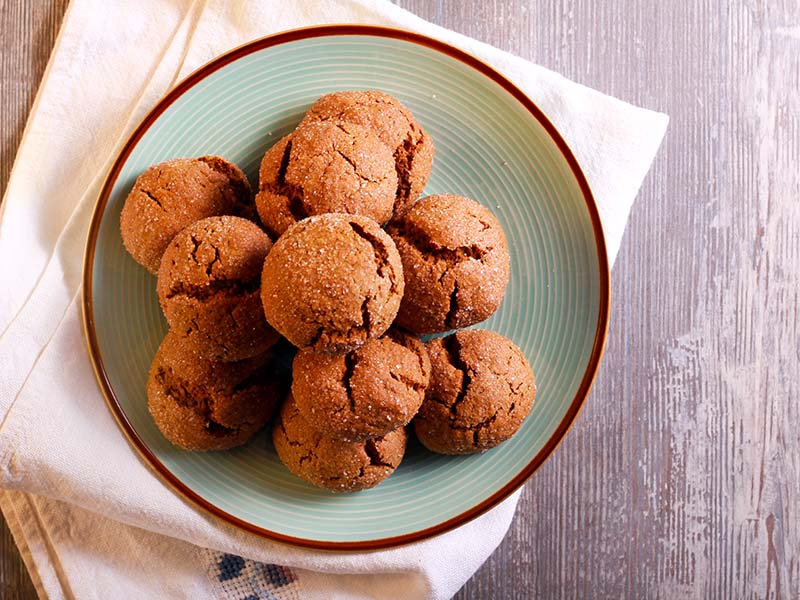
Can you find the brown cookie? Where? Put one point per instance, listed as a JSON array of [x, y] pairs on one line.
[[208, 286], [480, 392], [455, 263], [394, 124], [365, 393], [322, 168], [332, 282], [334, 464], [204, 405], [172, 195]]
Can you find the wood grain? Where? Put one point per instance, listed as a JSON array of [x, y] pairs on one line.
[[681, 477], [27, 33]]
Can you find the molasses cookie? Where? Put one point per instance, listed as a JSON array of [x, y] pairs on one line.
[[326, 167], [332, 282], [172, 195], [208, 286], [365, 393], [394, 124], [481, 390], [455, 263], [204, 405], [334, 464]]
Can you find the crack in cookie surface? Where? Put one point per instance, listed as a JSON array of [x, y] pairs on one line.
[[407, 381], [374, 453], [421, 240], [349, 366], [404, 157], [383, 265], [452, 347], [152, 197], [227, 287], [195, 398], [450, 320], [294, 193]]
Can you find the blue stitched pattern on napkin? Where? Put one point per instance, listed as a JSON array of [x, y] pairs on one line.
[[237, 578]]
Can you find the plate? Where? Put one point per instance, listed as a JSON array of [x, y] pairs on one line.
[[492, 144]]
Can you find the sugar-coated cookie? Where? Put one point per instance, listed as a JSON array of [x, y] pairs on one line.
[[480, 392]]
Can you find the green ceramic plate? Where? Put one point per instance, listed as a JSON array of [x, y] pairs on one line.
[[492, 144]]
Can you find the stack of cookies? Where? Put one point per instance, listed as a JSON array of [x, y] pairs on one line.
[[360, 267]]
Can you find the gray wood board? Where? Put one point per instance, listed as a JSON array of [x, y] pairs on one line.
[[681, 477]]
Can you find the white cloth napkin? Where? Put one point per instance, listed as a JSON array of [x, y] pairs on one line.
[[92, 520]]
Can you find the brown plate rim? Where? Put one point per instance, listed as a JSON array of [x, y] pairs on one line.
[[327, 31]]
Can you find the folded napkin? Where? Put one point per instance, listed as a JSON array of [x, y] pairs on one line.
[[107, 527]]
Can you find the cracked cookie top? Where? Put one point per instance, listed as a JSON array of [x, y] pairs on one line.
[[366, 392], [332, 282], [204, 405], [330, 463], [172, 195], [208, 286], [326, 167], [395, 125], [455, 262], [480, 392]]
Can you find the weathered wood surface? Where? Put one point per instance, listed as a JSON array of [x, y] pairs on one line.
[[681, 477], [28, 31]]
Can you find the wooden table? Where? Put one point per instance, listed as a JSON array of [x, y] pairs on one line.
[[681, 477]]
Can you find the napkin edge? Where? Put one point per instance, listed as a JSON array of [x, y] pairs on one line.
[[27, 534]]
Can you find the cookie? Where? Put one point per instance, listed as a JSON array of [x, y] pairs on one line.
[[172, 195], [365, 393], [395, 125], [326, 167], [480, 392], [332, 282], [334, 464], [455, 263], [205, 405], [208, 286]]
